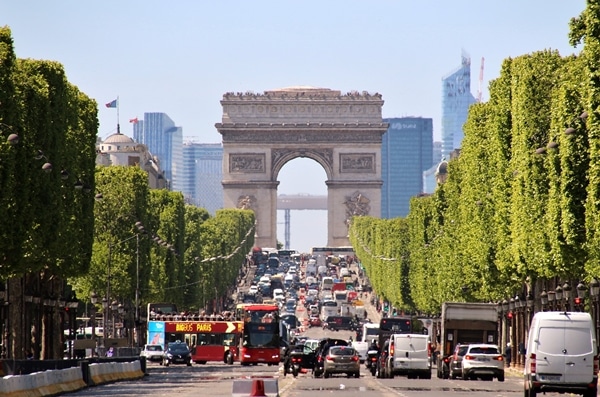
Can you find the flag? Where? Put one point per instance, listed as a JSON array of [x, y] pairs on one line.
[[112, 104], [134, 120]]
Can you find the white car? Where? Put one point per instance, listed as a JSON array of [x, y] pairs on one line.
[[152, 352], [253, 289], [483, 361]]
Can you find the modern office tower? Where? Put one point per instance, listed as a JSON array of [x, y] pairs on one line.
[[202, 175], [456, 100], [406, 152], [164, 140]]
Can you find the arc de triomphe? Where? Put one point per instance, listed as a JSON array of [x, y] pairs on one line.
[[342, 132]]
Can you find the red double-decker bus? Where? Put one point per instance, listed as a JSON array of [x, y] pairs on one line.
[[260, 335], [208, 340]]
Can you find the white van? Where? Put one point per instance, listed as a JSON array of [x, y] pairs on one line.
[[326, 284], [410, 354], [561, 354]]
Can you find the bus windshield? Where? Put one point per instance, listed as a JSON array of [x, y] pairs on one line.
[[261, 335], [399, 325]]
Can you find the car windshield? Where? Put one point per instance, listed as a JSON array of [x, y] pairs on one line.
[[484, 350], [155, 348], [178, 348]]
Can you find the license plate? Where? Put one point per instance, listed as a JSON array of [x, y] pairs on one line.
[[550, 377], [484, 359], [261, 359]]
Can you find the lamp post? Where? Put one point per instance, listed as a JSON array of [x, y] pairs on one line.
[[104, 320], [114, 306], [594, 292], [544, 299], [567, 295], [581, 294], [94, 300]]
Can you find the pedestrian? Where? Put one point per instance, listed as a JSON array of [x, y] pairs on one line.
[[508, 354]]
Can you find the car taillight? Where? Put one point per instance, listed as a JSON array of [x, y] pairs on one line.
[[391, 349], [329, 358], [446, 359], [532, 363], [499, 358], [468, 357], [596, 365], [354, 358], [319, 359]]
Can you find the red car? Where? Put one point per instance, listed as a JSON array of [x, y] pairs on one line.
[[314, 321]]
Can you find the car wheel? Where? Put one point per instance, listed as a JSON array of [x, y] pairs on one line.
[[465, 376], [357, 375], [501, 377], [189, 364], [591, 392], [229, 359], [530, 393], [326, 374]]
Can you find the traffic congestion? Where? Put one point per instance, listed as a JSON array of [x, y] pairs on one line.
[[311, 323]]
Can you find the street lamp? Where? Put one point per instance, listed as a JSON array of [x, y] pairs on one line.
[[544, 299], [567, 295], [94, 300], [114, 306], [104, 320]]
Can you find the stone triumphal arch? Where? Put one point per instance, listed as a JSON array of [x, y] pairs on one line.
[[342, 132]]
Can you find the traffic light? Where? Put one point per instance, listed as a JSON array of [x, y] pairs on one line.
[[509, 315], [578, 301]]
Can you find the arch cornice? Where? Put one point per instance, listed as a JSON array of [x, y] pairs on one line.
[[280, 156]]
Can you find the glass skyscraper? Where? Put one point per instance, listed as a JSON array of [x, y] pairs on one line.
[[456, 100], [406, 152], [158, 132], [202, 175]]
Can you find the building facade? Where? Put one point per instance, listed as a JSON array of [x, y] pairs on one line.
[[406, 152], [456, 100], [164, 140], [119, 149], [202, 175]]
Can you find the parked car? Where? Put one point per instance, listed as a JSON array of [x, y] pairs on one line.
[[177, 353], [152, 352], [341, 360], [483, 361]]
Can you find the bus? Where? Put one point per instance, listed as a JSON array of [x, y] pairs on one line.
[[394, 325], [336, 251], [161, 310], [261, 338], [208, 340], [286, 255]]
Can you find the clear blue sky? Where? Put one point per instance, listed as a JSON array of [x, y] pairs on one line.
[[180, 57]]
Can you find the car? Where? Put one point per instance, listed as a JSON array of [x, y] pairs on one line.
[[314, 321], [253, 289], [319, 355], [455, 364], [483, 360], [341, 360], [152, 352], [341, 323], [177, 353]]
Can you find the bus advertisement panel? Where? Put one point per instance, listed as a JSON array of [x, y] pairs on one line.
[[261, 339]]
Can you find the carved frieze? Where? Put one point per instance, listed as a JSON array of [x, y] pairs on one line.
[[315, 137], [357, 163], [247, 202], [247, 163], [356, 205]]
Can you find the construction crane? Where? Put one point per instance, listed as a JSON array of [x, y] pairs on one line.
[[480, 90]]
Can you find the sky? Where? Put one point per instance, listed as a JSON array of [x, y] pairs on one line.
[[180, 57]]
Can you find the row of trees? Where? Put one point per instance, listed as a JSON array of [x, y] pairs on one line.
[[520, 210], [59, 244]]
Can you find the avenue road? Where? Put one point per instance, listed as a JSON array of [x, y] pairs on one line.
[[216, 379]]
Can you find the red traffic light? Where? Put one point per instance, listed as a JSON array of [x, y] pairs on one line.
[[509, 315], [578, 301]]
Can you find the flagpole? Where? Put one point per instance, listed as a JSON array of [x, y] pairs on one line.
[[118, 125]]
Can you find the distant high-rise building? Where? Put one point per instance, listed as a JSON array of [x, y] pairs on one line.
[[164, 140], [406, 152], [456, 100], [202, 175]]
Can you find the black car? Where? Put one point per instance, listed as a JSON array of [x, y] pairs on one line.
[[341, 323], [177, 353]]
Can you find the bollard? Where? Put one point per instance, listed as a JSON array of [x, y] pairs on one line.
[[258, 388]]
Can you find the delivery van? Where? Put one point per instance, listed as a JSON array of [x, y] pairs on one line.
[[561, 354], [410, 355]]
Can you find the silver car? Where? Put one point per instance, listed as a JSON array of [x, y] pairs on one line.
[[341, 360], [152, 352]]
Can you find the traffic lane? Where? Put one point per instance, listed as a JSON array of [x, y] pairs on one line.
[[214, 379]]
